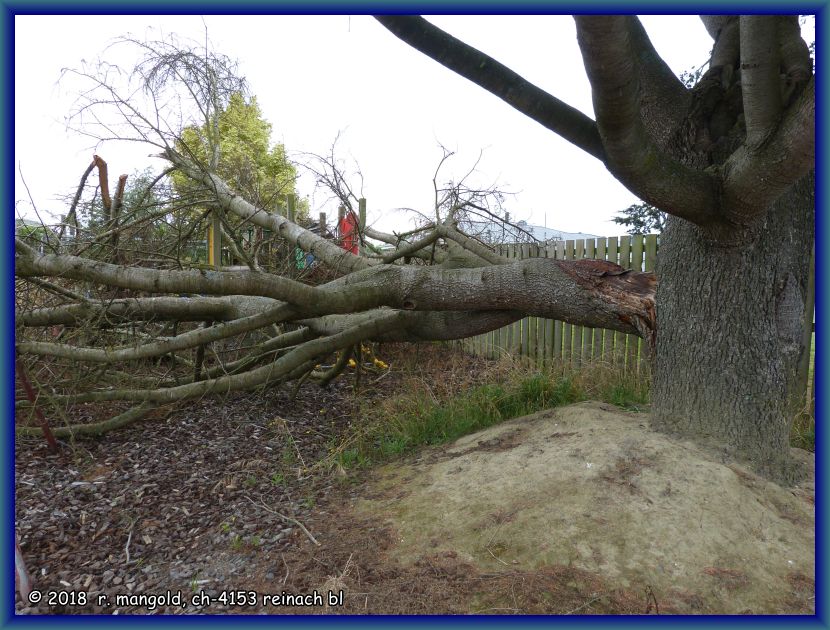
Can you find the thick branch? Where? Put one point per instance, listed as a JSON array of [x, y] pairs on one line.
[[163, 281], [133, 414], [423, 326], [760, 76], [539, 287], [755, 178], [582, 292], [182, 309], [632, 156], [664, 99], [191, 339], [795, 56], [115, 216], [483, 70], [724, 31], [280, 342]]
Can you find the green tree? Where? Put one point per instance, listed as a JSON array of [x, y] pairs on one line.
[[641, 218], [247, 160], [237, 146]]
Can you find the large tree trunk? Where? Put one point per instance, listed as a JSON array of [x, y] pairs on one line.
[[730, 317]]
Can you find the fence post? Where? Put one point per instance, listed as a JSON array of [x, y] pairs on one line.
[[524, 253], [509, 330], [612, 255], [599, 254], [292, 208], [588, 333], [578, 331], [541, 323], [558, 326], [649, 264], [341, 215], [499, 335], [515, 341], [623, 340], [634, 342], [215, 240], [568, 329], [549, 323], [532, 322], [650, 252]]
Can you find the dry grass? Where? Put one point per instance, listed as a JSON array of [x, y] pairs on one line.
[[441, 393]]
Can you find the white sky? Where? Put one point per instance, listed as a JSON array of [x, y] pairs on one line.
[[315, 76]]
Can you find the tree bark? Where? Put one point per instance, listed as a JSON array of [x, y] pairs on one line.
[[632, 155], [730, 318]]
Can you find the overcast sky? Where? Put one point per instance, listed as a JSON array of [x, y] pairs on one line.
[[317, 76]]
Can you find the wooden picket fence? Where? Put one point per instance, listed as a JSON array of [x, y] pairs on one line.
[[549, 342]]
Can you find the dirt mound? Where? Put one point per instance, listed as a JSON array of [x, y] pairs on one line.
[[591, 488]]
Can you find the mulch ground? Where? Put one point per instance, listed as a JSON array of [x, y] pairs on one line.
[[214, 502]]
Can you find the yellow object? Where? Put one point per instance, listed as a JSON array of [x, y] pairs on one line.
[[210, 245], [214, 238]]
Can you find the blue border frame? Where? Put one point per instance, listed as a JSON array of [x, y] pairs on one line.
[[430, 7], [821, 262], [8, 9]]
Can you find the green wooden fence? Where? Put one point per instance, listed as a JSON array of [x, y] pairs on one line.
[[551, 342]]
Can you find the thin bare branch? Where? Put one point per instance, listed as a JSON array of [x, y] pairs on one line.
[[754, 178]]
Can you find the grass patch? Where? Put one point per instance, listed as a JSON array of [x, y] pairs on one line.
[[427, 415], [803, 432], [803, 429], [627, 398], [421, 421], [444, 394]]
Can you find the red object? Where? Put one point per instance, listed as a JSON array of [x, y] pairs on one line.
[[30, 394], [349, 234]]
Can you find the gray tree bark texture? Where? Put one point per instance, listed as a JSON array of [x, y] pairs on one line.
[[730, 331]]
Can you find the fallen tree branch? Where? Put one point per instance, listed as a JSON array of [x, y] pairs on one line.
[[96, 428], [287, 519]]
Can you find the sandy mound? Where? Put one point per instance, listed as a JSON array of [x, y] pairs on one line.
[[590, 487]]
